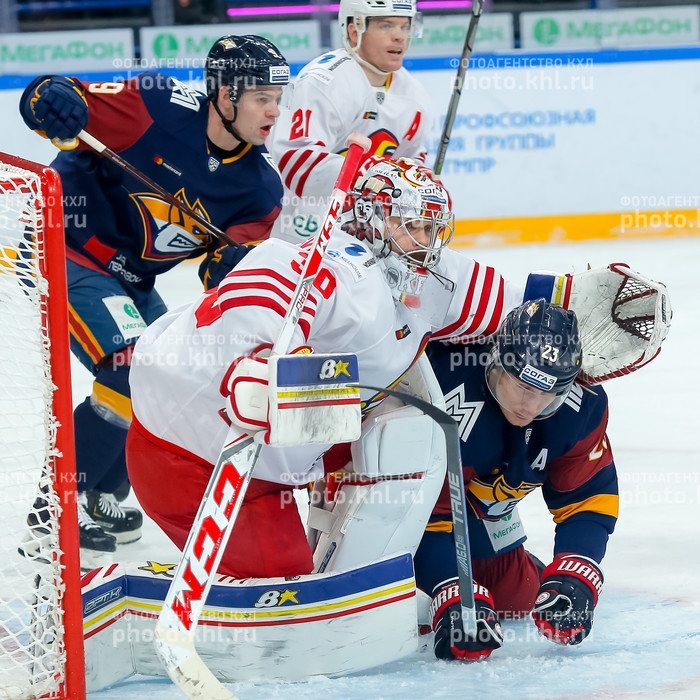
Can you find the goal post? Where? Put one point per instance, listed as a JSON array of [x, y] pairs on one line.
[[41, 629]]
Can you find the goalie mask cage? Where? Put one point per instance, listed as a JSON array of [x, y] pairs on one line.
[[41, 640]]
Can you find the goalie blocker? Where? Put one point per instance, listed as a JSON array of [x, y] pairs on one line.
[[296, 399]]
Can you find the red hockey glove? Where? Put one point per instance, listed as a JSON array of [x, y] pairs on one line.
[[450, 641], [55, 106], [564, 606]]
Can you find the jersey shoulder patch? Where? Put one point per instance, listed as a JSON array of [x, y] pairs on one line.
[[354, 257], [465, 413], [325, 67]]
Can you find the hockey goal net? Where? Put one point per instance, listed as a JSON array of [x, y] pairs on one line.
[[41, 652]]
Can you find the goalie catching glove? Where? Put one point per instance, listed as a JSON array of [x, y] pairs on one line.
[[55, 107], [296, 399], [623, 317], [446, 612], [564, 606]]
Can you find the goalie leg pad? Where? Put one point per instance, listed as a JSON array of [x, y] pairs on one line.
[[383, 502], [257, 629]]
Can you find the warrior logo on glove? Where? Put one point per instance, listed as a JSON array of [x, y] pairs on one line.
[[564, 606]]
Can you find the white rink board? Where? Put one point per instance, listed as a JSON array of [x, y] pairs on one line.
[[532, 139]]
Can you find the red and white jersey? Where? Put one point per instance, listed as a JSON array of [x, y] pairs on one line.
[[330, 99], [179, 362]]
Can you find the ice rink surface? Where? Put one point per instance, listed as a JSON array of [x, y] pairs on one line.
[[646, 635]]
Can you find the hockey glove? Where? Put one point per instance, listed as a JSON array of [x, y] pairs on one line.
[[564, 606], [218, 263], [450, 641], [54, 106]]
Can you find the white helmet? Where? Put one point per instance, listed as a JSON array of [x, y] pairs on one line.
[[358, 11], [405, 191]]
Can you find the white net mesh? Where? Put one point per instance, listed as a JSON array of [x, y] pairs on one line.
[[31, 632]]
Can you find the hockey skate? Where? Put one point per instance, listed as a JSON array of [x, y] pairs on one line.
[[121, 522], [96, 546]]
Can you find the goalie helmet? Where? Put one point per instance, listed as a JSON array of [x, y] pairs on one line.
[[407, 219], [537, 344], [358, 12], [241, 62]]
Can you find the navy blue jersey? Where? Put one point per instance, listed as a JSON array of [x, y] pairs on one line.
[[159, 125], [568, 455]]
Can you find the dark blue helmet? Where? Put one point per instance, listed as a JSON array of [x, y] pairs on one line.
[[241, 62], [538, 344]]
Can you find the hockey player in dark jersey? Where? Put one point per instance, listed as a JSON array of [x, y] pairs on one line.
[[208, 152], [524, 423]]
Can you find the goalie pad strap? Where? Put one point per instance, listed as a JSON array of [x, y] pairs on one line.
[[320, 519]]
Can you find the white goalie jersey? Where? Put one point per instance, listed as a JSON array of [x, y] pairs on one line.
[[180, 362], [330, 99]]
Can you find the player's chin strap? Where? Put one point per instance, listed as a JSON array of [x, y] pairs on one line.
[[366, 64], [623, 316], [228, 123]]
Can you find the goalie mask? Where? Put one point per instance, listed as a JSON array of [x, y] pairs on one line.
[[241, 62], [406, 218], [359, 12], [535, 361]]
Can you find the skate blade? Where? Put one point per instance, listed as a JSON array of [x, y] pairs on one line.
[[126, 537], [36, 548], [92, 559]]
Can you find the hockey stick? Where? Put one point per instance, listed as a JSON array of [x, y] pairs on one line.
[[175, 630], [455, 480], [477, 6], [100, 148]]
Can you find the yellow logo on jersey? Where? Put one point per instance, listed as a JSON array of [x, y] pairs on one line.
[[167, 231]]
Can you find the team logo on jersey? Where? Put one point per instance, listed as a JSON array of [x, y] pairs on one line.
[[369, 115], [184, 96], [380, 97], [213, 164], [491, 501], [403, 332], [384, 143], [465, 413], [169, 233]]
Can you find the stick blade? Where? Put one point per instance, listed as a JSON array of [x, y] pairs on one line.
[[186, 669]]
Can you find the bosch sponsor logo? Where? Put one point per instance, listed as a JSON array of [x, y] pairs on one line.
[[538, 378]]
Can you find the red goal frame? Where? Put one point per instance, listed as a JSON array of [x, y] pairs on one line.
[[53, 266]]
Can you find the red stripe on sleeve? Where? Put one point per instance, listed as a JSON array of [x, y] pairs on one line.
[[304, 178], [449, 330]]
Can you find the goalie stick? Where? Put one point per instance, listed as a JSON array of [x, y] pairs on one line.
[[100, 148], [458, 500], [175, 630], [477, 6]]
